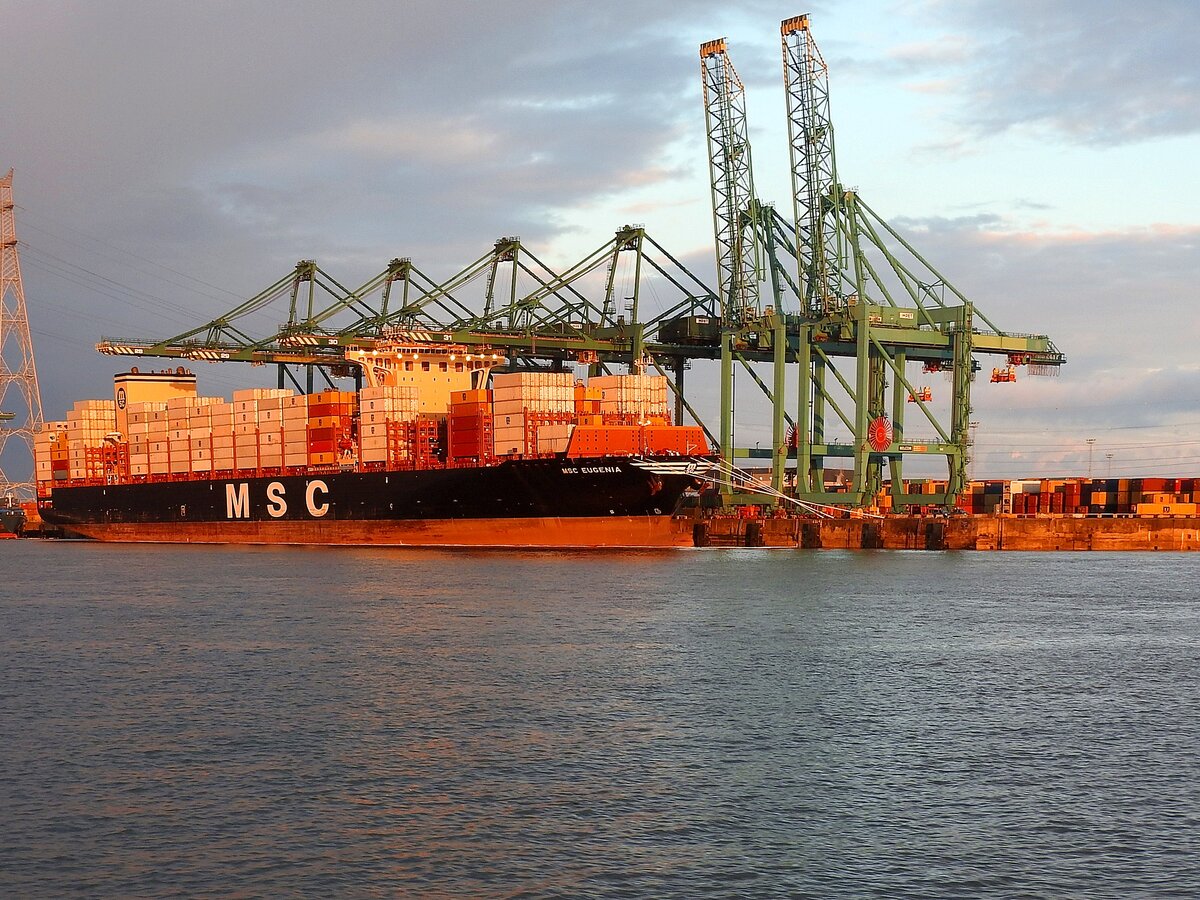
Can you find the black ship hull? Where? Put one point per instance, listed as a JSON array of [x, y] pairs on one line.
[[519, 503], [11, 520]]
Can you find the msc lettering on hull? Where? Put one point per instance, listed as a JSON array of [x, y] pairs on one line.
[[237, 499]]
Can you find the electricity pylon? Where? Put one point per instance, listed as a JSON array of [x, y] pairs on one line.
[[19, 393]]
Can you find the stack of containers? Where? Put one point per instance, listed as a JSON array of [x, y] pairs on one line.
[[270, 429], [1073, 497], [197, 413], [524, 403], [553, 437], [143, 418], [471, 434], [587, 404], [330, 426], [294, 431], [257, 428], [633, 399], [381, 410], [88, 422], [220, 444], [179, 444], [50, 453], [199, 431], [189, 434]]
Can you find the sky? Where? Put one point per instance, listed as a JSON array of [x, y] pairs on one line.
[[172, 158]]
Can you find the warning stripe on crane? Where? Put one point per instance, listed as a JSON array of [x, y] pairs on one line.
[[212, 355]]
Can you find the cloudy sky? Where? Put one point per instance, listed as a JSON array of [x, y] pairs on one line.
[[173, 157]]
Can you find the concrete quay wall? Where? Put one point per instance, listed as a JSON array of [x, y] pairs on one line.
[[956, 533]]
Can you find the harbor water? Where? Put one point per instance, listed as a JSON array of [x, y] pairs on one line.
[[182, 721]]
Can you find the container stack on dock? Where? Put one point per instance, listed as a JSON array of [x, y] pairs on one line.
[[1106, 496], [982, 498], [1169, 497], [1067, 496]]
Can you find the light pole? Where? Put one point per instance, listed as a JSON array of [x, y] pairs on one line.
[[973, 428], [1091, 442], [1109, 457]]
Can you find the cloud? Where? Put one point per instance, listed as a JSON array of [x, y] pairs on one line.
[[946, 50], [1115, 298], [1100, 73], [1117, 303]]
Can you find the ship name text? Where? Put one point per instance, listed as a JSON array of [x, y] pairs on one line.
[[237, 499]]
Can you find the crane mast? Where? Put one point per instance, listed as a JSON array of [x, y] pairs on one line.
[[816, 193], [732, 179]]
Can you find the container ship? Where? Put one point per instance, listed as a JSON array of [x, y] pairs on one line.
[[433, 449], [12, 517]]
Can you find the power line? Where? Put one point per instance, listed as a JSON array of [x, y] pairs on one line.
[[1075, 429], [1079, 451], [129, 253], [124, 287], [71, 278]]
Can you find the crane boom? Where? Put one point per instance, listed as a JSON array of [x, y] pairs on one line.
[[815, 189], [732, 180]]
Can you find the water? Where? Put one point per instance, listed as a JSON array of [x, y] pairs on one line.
[[267, 721]]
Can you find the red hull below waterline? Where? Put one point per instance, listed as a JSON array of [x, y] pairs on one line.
[[524, 533]]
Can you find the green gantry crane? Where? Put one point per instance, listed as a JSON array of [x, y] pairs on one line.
[[849, 302], [862, 306]]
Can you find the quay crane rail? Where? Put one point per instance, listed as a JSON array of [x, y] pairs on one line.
[[841, 285]]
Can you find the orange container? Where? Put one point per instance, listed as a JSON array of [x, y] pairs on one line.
[[605, 440], [478, 396]]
